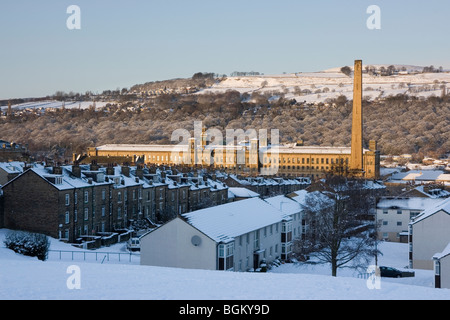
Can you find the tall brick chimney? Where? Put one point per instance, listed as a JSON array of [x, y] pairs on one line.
[[356, 158]]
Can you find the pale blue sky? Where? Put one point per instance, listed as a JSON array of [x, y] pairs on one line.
[[122, 43]]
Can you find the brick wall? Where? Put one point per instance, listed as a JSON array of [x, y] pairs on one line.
[[31, 204]]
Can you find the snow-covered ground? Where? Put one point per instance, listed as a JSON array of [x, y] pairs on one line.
[[30, 279]]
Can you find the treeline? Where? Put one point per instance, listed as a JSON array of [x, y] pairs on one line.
[[400, 124]]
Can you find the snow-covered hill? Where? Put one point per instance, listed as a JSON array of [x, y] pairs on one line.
[[27, 278], [315, 87]]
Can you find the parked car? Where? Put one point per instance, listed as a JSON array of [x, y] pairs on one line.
[[390, 272], [134, 244]]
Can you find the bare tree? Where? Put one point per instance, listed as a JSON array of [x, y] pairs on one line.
[[339, 231]]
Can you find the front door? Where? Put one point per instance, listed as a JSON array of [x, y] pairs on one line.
[[255, 261]]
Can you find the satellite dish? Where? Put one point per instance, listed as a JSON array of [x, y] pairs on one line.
[[196, 240]]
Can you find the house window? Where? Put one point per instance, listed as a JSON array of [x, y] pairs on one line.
[[286, 231], [86, 213], [226, 256], [399, 223], [413, 214], [437, 268], [86, 196], [399, 211], [286, 250], [385, 211], [103, 194], [119, 197], [256, 240], [103, 211], [67, 199], [67, 217]]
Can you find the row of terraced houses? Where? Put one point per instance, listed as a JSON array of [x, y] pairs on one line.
[[74, 202]]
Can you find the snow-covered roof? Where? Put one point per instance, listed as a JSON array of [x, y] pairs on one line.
[[225, 222], [444, 253], [143, 148], [299, 196], [237, 192], [12, 167], [443, 205], [65, 180], [314, 150], [285, 204], [413, 203], [421, 175]]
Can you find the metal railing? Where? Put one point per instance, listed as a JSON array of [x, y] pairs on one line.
[[122, 257]]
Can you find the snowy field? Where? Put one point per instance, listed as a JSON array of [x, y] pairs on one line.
[[333, 83], [27, 278], [52, 104]]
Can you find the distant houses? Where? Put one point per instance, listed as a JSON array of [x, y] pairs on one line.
[[394, 215], [11, 151]]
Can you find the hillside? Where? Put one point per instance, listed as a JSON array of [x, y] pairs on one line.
[[405, 113], [30, 279]]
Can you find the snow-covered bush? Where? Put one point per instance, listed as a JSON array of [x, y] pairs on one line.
[[28, 244]]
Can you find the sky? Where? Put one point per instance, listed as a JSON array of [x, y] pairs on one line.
[[123, 43]]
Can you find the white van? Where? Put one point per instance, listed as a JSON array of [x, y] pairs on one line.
[[134, 244]]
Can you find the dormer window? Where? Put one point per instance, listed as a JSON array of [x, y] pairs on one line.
[[58, 180]]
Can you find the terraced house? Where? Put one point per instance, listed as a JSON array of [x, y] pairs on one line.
[[74, 202]]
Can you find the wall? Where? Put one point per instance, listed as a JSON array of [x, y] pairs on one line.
[[445, 272], [170, 246], [430, 236], [31, 204]]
